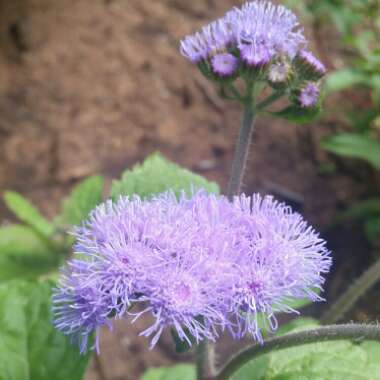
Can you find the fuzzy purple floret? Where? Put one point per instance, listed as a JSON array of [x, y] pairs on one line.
[[214, 37], [199, 265], [224, 64], [257, 28], [309, 95]]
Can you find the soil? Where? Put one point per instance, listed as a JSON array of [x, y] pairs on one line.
[[94, 86]]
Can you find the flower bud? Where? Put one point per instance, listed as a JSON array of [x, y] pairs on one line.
[[307, 95], [308, 66], [280, 74]]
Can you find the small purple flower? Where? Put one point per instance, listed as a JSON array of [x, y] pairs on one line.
[[309, 95], [212, 38], [198, 264], [224, 64], [255, 55]]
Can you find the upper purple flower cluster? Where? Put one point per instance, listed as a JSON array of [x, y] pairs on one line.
[[259, 40], [199, 264], [259, 29]]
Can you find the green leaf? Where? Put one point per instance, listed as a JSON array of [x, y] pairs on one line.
[[27, 213], [361, 210], [254, 370], [157, 175], [31, 348], [297, 324], [340, 360], [257, 369], [298, 303], [372, 229], [354, 145], [298, 115], [24, 254], [84, 197], [178, 372], [340, 80]]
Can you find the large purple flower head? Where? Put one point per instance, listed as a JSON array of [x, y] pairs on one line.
[[197, 264]]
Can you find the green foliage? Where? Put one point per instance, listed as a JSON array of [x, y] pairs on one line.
[[27, 213], [85, 196], [155, 175], [372, 229], [299, 115], [361, 70], [340, 80], [37, 247], [356, 146], [23, 253], [367, 211], [340, 360], [31, 348], [178, 372]]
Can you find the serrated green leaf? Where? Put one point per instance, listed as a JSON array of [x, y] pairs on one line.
[[24, 254], [84, 197], [27, 213], [178, 372], [298, 115], [338, 360], [257, 369], [354, 145], [156, 175], [31, 348]]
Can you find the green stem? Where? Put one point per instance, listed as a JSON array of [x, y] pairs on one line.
[[270, 99], [320, 334], [242, 149], [354, 292], [201, 359], [205, 360]]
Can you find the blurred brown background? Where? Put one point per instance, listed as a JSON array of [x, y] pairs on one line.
[[93, 86]]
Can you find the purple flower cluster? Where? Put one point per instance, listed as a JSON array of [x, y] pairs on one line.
[[258, 41], [259, 30], [199, 264]]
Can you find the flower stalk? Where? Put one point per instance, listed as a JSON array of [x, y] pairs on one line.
[[356, 332], [351, 296], [242, 148], [205, 360]]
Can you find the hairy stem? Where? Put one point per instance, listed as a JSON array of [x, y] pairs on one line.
[[242, 149], [355, 332], [205, 360], [201, 359], [354, 292]]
